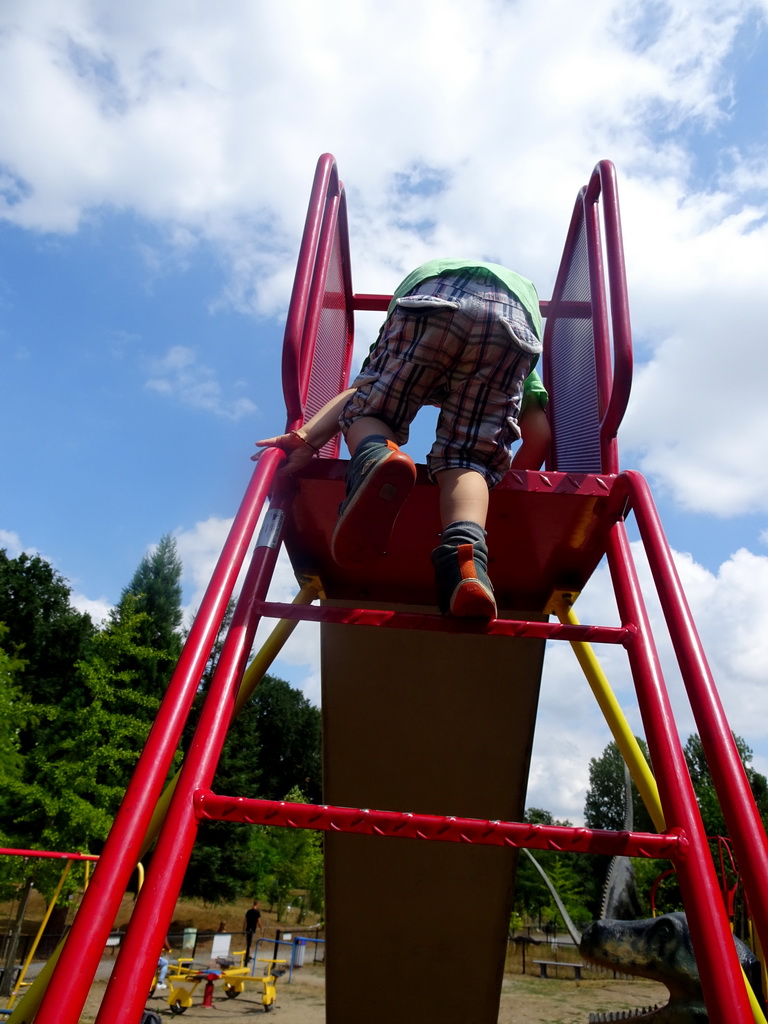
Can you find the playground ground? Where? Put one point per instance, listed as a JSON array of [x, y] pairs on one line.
[[525, 1000]]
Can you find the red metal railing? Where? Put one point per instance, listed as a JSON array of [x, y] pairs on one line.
[[740, 812], [71, 980], [438, 828], [720, 972], [588, 340], [152, 915], [8, 851], [319, 335]]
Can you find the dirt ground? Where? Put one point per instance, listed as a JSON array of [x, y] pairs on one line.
[[524, 1000]]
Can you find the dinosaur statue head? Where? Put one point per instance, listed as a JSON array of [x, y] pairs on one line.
[[658, 948]]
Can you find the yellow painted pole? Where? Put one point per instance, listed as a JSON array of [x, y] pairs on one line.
[[756, 945], [28, 1006], [614, 716], [40, 930]]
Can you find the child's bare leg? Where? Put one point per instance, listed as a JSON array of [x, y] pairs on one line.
[[461, 559], [365, 427], [463, 496]]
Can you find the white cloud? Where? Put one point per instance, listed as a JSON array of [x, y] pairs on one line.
[[11, 541], [178, 374], [98, 608]]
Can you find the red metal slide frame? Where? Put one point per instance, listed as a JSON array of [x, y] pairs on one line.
[[588, 364]]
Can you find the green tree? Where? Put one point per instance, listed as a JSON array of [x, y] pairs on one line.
[[704, 787], [228, 859], [297, 862], [272, 748], [605, 805], [566, 871], [43, 629], [289, 730], [155, 590], [71, 785], [604, 808], [12, 717]]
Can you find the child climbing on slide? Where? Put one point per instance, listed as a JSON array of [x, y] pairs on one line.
[[464, 336]]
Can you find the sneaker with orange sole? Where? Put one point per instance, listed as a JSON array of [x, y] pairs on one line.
[[463, 587], [379, 479]]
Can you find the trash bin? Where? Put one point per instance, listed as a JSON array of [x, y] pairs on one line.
[[299, 950], [189, 940]]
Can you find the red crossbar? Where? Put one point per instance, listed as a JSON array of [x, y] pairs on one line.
[[443, 624], [8, 851], [446, 829]]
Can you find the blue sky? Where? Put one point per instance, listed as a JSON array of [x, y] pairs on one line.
[[155, 166]]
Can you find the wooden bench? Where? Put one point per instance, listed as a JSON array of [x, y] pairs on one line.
[[544, 964]]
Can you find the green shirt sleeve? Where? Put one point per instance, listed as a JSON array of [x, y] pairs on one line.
[[533, 389]]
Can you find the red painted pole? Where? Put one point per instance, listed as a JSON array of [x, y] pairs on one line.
[[132, 974], [721, 976], [71, 980], [9, 851], [745, 827], [208, 994]]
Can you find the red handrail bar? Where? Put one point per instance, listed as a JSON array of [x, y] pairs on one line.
[[613, 363], [621, 378], [581, 633], [720, 971], [745, 827], [325, 177], [131, 976], [439, 828], [8, 851], [71, 980]]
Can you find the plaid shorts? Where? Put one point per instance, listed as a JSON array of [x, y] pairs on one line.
[[460, 341]]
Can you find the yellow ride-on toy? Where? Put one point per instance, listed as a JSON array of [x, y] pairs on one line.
[[184, 977]]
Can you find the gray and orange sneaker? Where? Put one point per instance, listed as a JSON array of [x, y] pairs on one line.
[[379, 479], [461, 577]]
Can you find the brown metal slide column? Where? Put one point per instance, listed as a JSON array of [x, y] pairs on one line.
[[438, 724]]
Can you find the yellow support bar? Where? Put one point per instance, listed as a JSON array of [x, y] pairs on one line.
[[560, 604], [39, 935]]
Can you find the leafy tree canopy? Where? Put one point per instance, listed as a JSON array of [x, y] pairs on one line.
[[42, 628]]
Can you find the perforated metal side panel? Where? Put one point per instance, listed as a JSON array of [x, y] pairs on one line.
[[571, 358]]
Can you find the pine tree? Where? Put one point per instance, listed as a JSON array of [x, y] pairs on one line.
[[155, 590]]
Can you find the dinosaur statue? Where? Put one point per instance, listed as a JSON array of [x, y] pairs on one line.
[[658, 948], [620, 899]]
